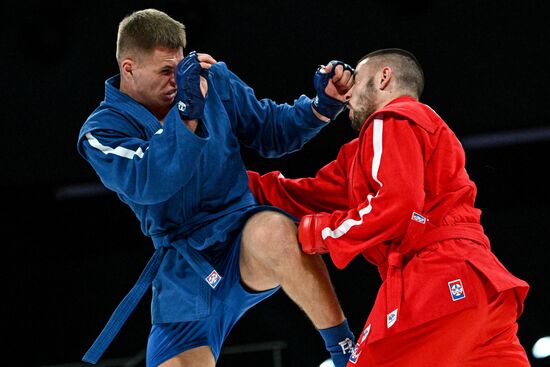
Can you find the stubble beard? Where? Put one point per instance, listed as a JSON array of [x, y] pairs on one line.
[[366, 107]]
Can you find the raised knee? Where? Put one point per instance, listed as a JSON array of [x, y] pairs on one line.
[[272, 231], [268, 245]]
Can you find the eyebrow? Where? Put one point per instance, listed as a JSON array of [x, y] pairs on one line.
[[167, 67]]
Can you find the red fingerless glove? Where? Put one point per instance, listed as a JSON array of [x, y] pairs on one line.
[[309, 236]]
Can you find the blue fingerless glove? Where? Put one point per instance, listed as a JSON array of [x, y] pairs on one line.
[[322, 103], [189, 99]]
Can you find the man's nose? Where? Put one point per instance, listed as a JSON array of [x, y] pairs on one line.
[[347, 96]]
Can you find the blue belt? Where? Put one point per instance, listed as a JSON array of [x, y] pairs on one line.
[[129, 303]]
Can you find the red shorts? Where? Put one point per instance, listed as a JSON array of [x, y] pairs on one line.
[[484, 335]]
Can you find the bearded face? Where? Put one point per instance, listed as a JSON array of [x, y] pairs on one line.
[[362, 104]]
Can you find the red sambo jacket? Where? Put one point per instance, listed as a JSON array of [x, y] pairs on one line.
[[393, 193]]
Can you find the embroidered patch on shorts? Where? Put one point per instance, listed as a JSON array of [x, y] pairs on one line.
[[391, 318], [213, 279], [456, 289]]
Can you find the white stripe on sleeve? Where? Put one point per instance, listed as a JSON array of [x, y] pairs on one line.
[[350, 223], [120, 151]]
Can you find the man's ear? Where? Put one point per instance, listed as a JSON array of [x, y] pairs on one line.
[[385, 77], [127, 68]]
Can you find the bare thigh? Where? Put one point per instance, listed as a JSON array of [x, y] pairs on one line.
[[268, 240], [196, 357]]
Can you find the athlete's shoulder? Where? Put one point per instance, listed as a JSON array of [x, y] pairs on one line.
[[109, 119], [413, 110]]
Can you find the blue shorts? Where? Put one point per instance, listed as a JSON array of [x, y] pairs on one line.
[[229, 302]]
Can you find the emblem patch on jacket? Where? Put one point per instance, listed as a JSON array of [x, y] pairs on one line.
[[456, 289], [213, 279], [418, 218]]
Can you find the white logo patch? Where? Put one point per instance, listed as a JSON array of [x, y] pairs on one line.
[[182, 106], [391, 318], [365, 334], [346, 345]]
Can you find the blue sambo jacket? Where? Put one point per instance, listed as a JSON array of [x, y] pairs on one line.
[[188, 190]]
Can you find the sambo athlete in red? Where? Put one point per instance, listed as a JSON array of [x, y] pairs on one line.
[[399, 195]]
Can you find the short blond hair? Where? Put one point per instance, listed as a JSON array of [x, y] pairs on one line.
[[143, 30]]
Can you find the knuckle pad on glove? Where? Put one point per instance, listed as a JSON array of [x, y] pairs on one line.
[[323, 103], [188, 83]]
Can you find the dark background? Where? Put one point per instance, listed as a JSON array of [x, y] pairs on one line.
[[72, 250]]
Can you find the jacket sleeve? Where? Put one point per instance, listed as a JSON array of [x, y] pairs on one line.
[[143, 171], [391, 159], [326, 191], [271, 129]]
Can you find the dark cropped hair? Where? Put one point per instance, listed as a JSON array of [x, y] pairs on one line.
[[143, 30], [410, 75]]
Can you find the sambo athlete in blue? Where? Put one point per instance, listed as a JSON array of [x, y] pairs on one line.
[[188, 190]]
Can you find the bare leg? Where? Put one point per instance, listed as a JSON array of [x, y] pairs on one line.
[[196, 357], [271, 255]]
